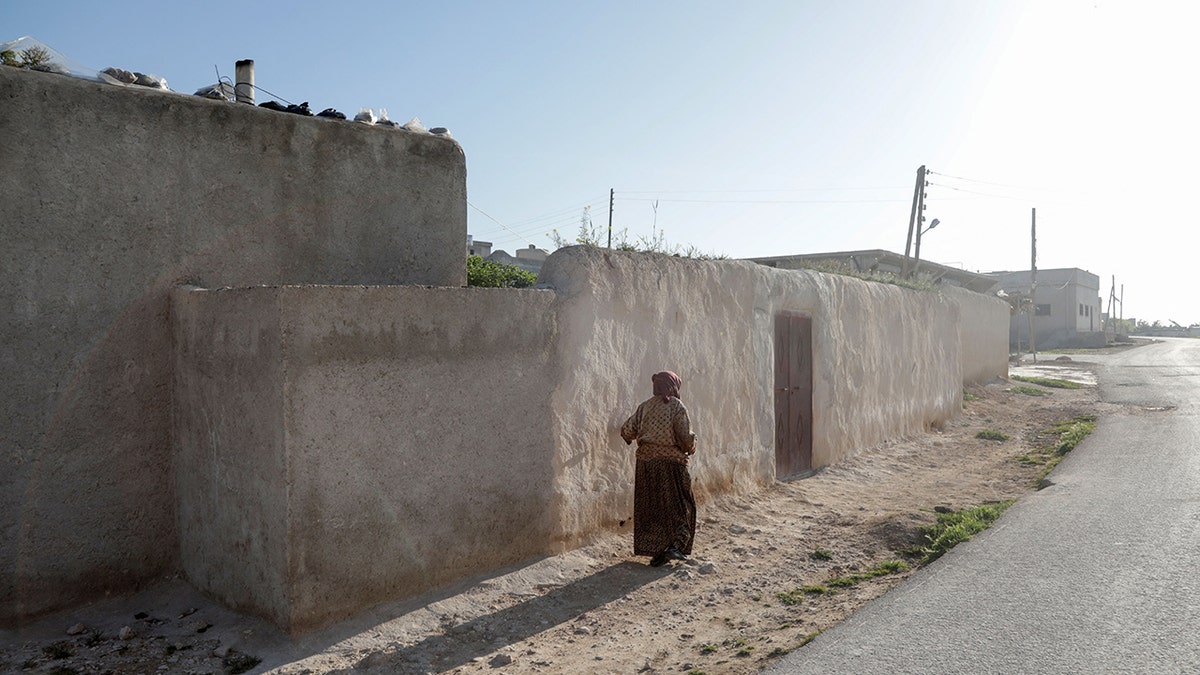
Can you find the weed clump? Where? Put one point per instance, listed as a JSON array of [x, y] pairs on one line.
[[1076, 430], [820, 554], [991, 435], [951, 529], [58, 650], [1052, 382]]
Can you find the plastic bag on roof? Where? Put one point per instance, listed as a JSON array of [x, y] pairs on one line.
[[292, 108], [152, 81], [365, 115], [120, 75], [415, 125], [384, 121], [221, 91]]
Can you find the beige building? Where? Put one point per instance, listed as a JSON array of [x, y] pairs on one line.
[[886, 263], [1065, 306]]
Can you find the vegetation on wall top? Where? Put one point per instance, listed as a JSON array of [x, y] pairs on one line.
[[492, 274], [591, 234], [835, 267]]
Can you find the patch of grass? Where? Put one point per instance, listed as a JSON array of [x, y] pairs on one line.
[[708, 649], [735, 642], [821, 554], [956, 527], [1029, 391], [1051, 382], [888, 567], [792, 597], [1073, 435], [236, 662], [879, 570], [968, 396], [745, 651], [810, 637], [1058, 440], [1062, 426], [992, 435], [696, 671], [815, 590], [58, 650]]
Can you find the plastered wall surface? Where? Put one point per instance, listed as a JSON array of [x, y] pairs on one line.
[[412, 445], [888, 363], [400, 438], [983, 334], [111, 196], [231, 464]]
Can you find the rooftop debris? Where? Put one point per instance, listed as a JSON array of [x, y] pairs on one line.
[[31, 54]]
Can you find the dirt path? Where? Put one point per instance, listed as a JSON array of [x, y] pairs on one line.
[[598, 609]]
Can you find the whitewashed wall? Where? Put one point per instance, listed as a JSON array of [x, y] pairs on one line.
[[425, 434], [889, 362]]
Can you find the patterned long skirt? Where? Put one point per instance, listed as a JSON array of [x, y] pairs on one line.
[[664, 511]]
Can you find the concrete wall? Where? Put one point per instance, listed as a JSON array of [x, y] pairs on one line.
[[889, 362], [982, 334], [339, 446], [231, 464], [389, 440], [112, 195]]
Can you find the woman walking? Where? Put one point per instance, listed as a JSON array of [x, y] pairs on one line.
[[664, 511]]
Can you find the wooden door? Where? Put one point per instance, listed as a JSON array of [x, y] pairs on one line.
[[793, 395]]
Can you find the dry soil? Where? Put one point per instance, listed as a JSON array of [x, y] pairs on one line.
[[737, 604]]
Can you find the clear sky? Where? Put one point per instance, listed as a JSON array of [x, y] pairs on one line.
[[761, 128]]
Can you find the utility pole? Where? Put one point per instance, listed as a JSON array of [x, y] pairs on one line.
[[1033, 287], [917, 205], [611, 192], [1122, 304], [1112, 296]]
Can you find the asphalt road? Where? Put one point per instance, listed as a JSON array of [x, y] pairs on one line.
[[1098, 573]]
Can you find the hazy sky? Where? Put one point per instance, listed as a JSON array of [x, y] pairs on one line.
[[769, 129]]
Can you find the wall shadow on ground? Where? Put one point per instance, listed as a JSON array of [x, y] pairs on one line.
[[459, 644]]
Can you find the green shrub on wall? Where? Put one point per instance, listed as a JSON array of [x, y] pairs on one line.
[[492, 274]]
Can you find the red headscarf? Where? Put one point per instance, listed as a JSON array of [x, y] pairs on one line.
[[666, 385]]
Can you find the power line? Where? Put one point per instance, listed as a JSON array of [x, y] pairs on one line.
[[813, 189], [982, 194], [973, 180], [485, 213], [764, 201]]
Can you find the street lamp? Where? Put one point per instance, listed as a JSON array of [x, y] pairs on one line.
[[932, 224]]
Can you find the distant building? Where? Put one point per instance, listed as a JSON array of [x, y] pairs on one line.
[[1066, 306], [529, 259], [480, 248], [881, 261]]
